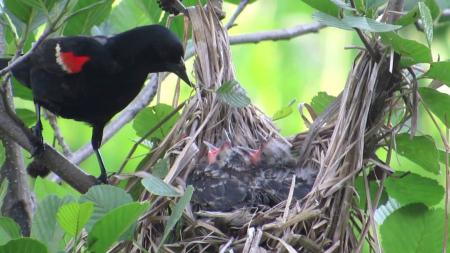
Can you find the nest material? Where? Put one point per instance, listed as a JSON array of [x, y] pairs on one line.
[[327, 219]]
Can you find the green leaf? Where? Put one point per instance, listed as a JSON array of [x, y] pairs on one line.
[[20, 91], [420, 150], [438, 102], [233, 94], [150, 117], [373, 188], [9, 230], [434, 8], [158, 187], [110, 227], [321, 101], [325, 6], [413, 228], [439, 71], [20, 10], [413, 188], [28, 117], [45, 187], [330, 20], [46, 5], [414, 12], [410, 49], [130, 14], [283, 112], [152, 10], [369, 25], [23, 245], [177, 213], [45, 227], [89, 13], [3, 190], [343, 5], [105, 198], [72, 217], [427, 20], [2, 153], [161, 168], [409, 18], [349, 22], [374, 4]]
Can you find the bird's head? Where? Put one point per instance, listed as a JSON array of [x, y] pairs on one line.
[[219, 154], [153, 47]]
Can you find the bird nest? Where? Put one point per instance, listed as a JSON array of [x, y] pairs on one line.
[[340, 143]]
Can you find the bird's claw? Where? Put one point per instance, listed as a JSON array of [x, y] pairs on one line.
[[38, 146], [102, 179]]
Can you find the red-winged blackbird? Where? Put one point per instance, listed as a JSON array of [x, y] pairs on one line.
[[90, 79]]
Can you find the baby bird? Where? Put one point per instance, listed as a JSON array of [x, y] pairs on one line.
[[237, 177], [222, 185]]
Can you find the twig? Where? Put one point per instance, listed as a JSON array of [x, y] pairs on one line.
[[274, 35], [369, 48], [415, 104], [236, 14], [57, 133]]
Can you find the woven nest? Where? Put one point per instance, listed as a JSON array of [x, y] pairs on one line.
[[340, 144]]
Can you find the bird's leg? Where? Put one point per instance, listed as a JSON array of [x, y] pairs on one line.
[[96, 141], [37, 130], [103, 178]]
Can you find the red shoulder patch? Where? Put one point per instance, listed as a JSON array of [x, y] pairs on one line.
[[70, 62]]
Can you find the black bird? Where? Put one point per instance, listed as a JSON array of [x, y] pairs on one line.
[[90, 79]]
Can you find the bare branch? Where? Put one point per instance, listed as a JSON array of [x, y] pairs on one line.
[[236, 14], [274, 35], [17, 203], [57, 133], [69, 172]]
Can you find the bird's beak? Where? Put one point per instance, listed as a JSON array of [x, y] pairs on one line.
[[180, 70]]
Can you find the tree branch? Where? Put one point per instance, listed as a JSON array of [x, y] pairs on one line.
[[17, 203], [274, 35], [69, 172], [57, 133], [236, 13]]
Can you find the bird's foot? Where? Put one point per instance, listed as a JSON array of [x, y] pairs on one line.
[[102, 179], [37, 150], [37, 131], [38, 146]]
